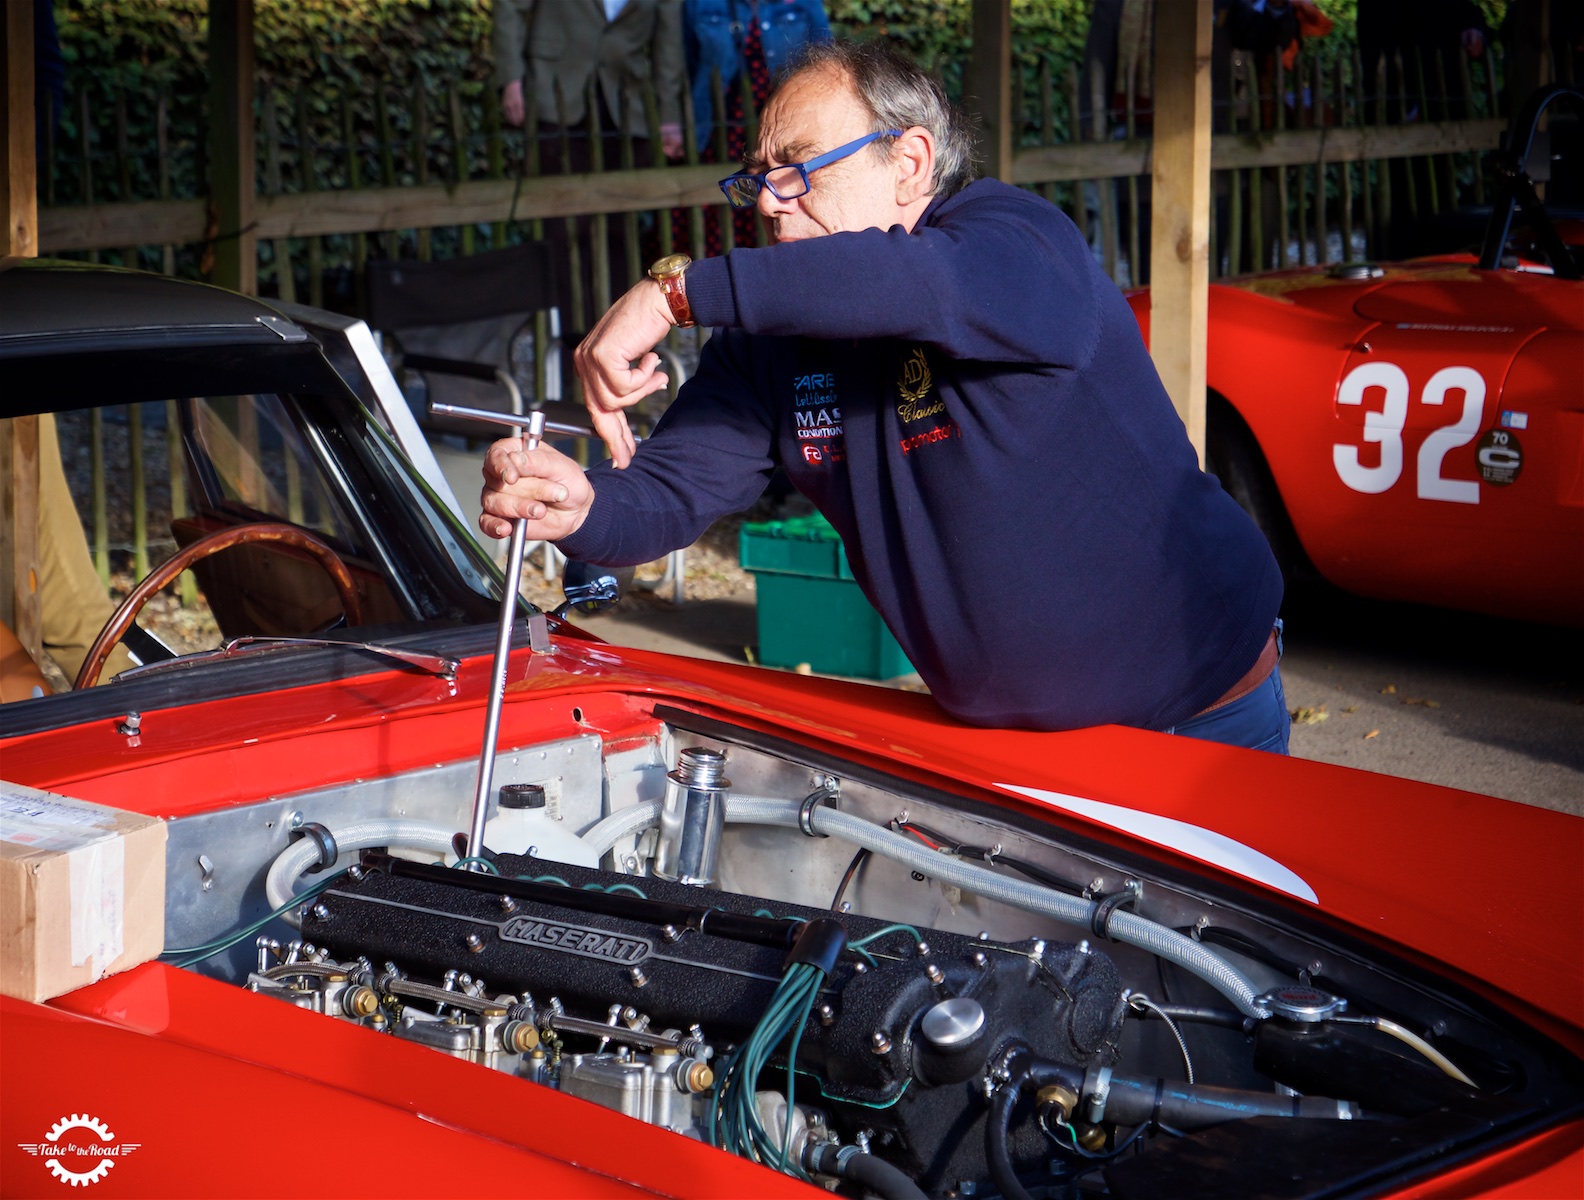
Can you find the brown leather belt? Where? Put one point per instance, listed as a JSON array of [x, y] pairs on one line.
[[1256, 675]]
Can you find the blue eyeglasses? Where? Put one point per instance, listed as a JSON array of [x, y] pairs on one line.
[[791, 181]]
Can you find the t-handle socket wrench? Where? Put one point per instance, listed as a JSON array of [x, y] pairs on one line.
[[503, 632]]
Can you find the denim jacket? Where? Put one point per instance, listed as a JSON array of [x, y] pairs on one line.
[[713, 32]]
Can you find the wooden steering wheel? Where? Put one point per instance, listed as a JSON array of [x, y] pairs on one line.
[[288, 535]]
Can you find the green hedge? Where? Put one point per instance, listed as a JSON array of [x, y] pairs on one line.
[[357, 76], [128, 53]]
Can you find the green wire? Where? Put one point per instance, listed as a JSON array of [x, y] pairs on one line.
[[474, 858], [210, 948], [880, 933], [734, 1121], [614, 888], [809, 986]]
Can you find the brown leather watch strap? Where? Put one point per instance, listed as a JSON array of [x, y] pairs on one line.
[[671, 274]]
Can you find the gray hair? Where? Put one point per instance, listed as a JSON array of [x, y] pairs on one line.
[[899, 94]]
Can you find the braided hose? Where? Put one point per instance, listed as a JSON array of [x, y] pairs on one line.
[[1125, 927]]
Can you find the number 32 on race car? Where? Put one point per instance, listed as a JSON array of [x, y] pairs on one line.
[[1386, 429]]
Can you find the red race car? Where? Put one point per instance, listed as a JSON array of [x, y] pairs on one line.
[[1416, 431], [337, 909]]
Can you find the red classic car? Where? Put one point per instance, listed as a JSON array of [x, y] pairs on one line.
[[1415, 431], [333, 908]]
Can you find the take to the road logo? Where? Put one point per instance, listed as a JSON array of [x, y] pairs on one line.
[[79, 1150]]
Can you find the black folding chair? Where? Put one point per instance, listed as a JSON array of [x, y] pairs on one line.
[[482, 331]]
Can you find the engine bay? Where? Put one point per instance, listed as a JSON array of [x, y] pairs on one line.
[[875, 986]]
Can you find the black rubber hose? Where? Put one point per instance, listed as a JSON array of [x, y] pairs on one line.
[[1190, 1106], [872, 1174], [1026, 1073], [881, 1178], [1001, 1169]]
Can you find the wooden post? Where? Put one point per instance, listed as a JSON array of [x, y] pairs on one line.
[[85, 140], [231, 154], [306, 162], [461, 163], [354, 161], [1080, 202], [18, 187], [1180, 227], [19, 517], [285, 275], [129, 254], [723, 217], [987, 85], [420, 156], [162, 143]]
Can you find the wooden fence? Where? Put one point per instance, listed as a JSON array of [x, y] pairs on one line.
[[1299, 157]]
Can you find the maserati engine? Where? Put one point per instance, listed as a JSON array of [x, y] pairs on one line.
[[870, 986]]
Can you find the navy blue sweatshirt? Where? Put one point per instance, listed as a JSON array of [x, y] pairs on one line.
[[972, 408]]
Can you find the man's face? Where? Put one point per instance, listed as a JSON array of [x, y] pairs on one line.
[[812, 113]]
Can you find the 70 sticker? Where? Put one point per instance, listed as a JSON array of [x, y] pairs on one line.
[[1385, 429]]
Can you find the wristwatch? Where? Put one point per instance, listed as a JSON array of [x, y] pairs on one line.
[[670, 272]]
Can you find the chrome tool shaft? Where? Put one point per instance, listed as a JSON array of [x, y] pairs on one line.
[[503, 634]]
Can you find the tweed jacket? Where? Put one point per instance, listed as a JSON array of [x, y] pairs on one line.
[[558, 45]]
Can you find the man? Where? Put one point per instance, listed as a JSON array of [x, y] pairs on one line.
[[945, 373], [568, 54], [562, 44]]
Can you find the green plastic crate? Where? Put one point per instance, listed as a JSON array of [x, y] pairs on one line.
[[809, 609]]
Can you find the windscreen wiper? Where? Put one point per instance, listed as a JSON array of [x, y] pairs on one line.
[[249, 647]]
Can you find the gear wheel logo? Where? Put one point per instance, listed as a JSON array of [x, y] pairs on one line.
[[83, 1159]]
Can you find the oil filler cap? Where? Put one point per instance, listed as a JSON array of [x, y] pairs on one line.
[[953, 1042], [522, 795], [1298, 1002]]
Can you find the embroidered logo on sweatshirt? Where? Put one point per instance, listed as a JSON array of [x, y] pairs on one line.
[[817, 387], [816, 416], [941, 433], [818, 423], [914, 386]]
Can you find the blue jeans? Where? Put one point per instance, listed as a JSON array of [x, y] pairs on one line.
[[1258, 720]]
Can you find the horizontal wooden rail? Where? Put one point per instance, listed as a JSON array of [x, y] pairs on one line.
[[1285, 148], [310, 214], [313, 214], [102, 226], [1241, 151]]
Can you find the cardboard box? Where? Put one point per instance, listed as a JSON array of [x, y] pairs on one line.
[[82, 892]]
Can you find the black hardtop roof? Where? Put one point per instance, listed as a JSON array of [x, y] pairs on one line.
[[46, 296]]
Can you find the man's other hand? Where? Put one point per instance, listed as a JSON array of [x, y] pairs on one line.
[[543, 486], [512, 102], [618, 365]]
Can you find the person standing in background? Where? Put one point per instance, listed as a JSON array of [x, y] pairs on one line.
[[557, 48], [738, 38]]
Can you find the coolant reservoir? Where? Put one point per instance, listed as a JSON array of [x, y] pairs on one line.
[[526, 823]]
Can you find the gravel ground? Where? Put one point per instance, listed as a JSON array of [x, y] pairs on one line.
[[711, 570]]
